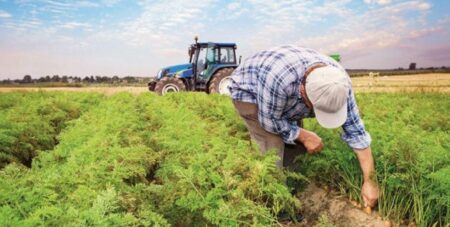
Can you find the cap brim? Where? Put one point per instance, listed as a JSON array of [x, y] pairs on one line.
[[332, 120]]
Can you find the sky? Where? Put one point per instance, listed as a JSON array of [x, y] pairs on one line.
[[123, 37]]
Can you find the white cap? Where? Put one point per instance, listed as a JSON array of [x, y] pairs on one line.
[[328, 88]]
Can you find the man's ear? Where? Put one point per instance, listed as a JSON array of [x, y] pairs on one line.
[[302, 91]]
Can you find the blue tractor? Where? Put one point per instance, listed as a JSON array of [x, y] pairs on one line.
[[209, 69]]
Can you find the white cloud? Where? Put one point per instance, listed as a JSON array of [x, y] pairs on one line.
[[376, 30], [75, 25], [4, 14], [379, 2], [110, 3], [159, 33], [164, 22], [234, 6], [280, 22]]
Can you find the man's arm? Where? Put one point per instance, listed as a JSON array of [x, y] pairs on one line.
[[369, 190], [356, 137]]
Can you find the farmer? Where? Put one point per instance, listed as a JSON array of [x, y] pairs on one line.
[[274, 89]]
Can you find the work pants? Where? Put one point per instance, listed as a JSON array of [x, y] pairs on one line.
[[266, 140]]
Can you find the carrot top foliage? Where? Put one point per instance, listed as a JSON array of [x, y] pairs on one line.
[[186, 159]]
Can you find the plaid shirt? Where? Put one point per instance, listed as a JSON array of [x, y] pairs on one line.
[[271, 79]]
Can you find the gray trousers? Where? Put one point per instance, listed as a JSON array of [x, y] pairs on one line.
[[267, 140]]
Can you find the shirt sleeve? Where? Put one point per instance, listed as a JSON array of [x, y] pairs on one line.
[[271, 97], [355, 135]]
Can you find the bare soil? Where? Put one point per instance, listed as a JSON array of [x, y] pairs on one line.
[[318, 204], [437, 82]]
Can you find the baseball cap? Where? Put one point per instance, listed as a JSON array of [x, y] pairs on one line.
[[328, 88]]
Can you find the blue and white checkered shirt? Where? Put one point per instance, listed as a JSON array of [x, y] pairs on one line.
[[271, 79]]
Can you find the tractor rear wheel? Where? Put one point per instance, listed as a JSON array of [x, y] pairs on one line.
[[220, 82], [169, 84]]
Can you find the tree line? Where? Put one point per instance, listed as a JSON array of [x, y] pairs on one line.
[[27, 79]]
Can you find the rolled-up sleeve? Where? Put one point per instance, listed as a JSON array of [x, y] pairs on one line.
[[272, 97], [355, 134]]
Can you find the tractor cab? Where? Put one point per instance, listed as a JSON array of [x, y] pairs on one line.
[[207, 58], [209, 69]]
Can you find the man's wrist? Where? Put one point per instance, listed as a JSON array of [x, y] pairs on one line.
[[302, 135]]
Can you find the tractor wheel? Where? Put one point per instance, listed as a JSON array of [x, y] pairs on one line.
[[169, 84], [220, 81], [151, 85]]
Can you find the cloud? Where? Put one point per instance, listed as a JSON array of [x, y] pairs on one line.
[[163, 22], [4, 14], [110, 3], [280, 22], [75, 25], [379, 2], [155, 33]]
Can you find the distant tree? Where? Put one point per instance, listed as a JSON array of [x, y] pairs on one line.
[[41, 80], [115, 79], [55, 78], [91, 79], [27, 79], [86, 79], [412, 66], [130, 79], [7, 81], [106, 79], [77, 79], [64, 79]]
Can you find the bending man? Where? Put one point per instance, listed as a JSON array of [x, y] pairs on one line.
[[274, 89]]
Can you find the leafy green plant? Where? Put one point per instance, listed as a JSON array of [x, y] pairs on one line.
[[186, 159], [31, 122]]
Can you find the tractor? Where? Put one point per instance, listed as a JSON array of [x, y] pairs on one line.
[[209, 69]]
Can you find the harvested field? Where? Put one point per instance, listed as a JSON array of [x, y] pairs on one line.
[[105, 90], [407, 83], [439, 82]]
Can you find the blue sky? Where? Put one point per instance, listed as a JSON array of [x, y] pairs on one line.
[[120, 37]]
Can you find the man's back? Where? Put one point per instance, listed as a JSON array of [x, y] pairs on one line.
[[287, 63]]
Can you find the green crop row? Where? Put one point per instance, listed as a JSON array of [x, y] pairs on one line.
[[144, 161], [411, 146], [30, 122], [207, 176], [96, 175], [186, 159]]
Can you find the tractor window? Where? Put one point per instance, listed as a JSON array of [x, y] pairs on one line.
[[213, 55], [227, 55], [201, 60]]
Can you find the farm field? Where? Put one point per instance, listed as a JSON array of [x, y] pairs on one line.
[[87, 158], [438, 82], [405, 83]]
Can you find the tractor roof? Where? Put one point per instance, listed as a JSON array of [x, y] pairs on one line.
[[217, 44]]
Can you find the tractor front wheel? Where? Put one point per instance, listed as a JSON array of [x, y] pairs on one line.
[[169, 84], [220, 82]]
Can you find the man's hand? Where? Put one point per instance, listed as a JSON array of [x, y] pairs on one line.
[[311, 141], [370, 193]]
